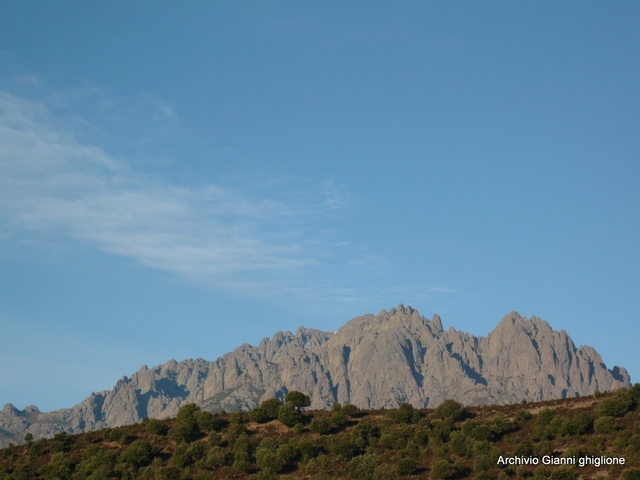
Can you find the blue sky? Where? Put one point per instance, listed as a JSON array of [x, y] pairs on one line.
[[178, 179]]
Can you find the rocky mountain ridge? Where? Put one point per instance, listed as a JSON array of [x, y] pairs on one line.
[[373, 361]]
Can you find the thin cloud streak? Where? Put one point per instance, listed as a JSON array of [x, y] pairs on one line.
[[52, 183], [265, 236]]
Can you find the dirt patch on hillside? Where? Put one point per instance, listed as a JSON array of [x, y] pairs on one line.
[[269, 428]]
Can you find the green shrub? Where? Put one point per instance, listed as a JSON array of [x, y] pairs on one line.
[[439, 432], [215, 457], [185, 430], [501, 425], [441, 469], [339, 418], [362, 433], [298, 429], [604, 425], [362, 467], [237, 418], [288, 414], [525, 449], [559, 426], [257, 415], [544, 448], [23, 471], [170, 472], [321, 425], [481, 447], [187, 411], [267, 457], [242, 453], [58, 468], [523, 416], [386, 472], [460, 444], [482, 464], [235, 431], [196, 451], [450, 409], [343, 447], [297, 399], [540, 473], [96, 462], [619, 404], [350, 410], [139, 454], [421, 435], [631, 473], [565, 472], [214, 439], [475, 430], [206, 421], [576, 451], [61, 442], [156, 427], [633, 446], [407, 466], [319, 465], [545, 416], [581, 424], [386, 440], [179, 457], [288, 453], [219, 423], [270, 408], [307, 448], [405, 413]]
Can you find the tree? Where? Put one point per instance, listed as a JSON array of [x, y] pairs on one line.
[[363, 466], [289, 415], [321, 425], [59, 467], [270, 408], [450, 409], [140, 453], [631, 473], [297, 399], [156, 427], [441, 468], [242, 453]]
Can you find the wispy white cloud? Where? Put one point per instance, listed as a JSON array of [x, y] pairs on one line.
[[51, 182], [262, 235]]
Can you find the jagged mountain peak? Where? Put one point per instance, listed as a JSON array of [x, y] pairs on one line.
[[373, 361], [10, 409]]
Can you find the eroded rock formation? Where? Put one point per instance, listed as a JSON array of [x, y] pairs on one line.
[[372, 361]]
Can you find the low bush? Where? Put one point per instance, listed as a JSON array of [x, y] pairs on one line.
[[450, 409], [604, 425]]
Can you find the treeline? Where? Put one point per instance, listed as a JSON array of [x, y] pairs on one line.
[[282, 439]]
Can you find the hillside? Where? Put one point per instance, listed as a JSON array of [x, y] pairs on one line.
[[560, 440], [373, 362]]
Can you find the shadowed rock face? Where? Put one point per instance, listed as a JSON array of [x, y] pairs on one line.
[[373, 361]]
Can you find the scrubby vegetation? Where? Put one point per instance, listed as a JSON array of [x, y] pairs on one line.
[[282, 439]]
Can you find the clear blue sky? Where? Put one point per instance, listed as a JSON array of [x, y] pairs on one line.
[[180, 178]]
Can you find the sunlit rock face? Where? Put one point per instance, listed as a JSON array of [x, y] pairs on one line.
[[373, 361]]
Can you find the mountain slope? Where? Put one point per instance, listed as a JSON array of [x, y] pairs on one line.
[[372, 361]]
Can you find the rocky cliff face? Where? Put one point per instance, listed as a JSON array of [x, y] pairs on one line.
[[373, 361]]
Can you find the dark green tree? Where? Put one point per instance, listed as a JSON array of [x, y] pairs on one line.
[[270, 408], [450, 409], [297, 399], [289, 415]]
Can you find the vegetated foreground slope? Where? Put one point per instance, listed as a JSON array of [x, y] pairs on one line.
[[589, 437], [373, 361]]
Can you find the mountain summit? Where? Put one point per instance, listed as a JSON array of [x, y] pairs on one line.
[[373, 361]]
